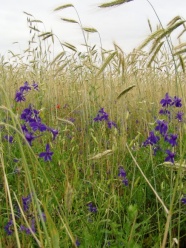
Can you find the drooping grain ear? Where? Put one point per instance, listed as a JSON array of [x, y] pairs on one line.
[[63, 7], [114, 3], [125, 91]]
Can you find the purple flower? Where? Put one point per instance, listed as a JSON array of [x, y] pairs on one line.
[[26, 202], [29, 137], [35, 86], [122, 172], [38, 126], [24, 128], [92, 207], [25, 87], [19, 97], [123, 175], [9, 138], [177, 102], [30, 115], [8, 226], [27, 230], [54, 132], [46, 155], [125, 181], [101, 116], [167, 101], [164, 112], [77, 243], [183, 200], [171, 139], [162, 127], [152, 139], [156, 149], [170, 157], [111, 124], [179, 116]]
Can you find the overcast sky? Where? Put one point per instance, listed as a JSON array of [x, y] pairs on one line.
[[126, 24]]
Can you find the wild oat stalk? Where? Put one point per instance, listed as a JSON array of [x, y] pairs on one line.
[[114, 3]]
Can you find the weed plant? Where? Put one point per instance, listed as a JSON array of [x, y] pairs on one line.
[[93, 144]]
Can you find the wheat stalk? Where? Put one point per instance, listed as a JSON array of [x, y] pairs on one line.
[[114, 3], [68, 20], [64, 7]]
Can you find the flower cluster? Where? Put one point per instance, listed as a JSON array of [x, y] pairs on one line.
[[20, 95], [161, 131], [123, 175], [92, 208], [30, 217], [32, 123], [168, 102], [103, 116]]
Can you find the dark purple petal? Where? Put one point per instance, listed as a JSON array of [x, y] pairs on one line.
[[162, 127], [183, 200], [8, 226], [122, 172], [111, 124], [92, 207], [101, 116], [9, 138], [171, 139], [19, 97], [54, 132], [46, 155], [26, 202], [25, 87], [35, 86], [177, 102], [170, 157], [167, 101], [179, 116]]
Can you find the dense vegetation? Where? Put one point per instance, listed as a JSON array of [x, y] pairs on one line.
[[93, 143]]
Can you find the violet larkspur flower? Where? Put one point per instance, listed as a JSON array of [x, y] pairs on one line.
[[77, 243], [152, 139], [30, 115], [46, 155], [25, 87], [8, 226], [101, 116], [171, 139], [177, 102], [38, 126], [54, 132], [122, 174], [183, 200], [9, 138], [28, 230], [179, 116], [35, 86], [19, 97], [162, 127], [29, 137], [26, 202], [167, 101], [164, 112], [170, 157], [92, 208], [111, 124]]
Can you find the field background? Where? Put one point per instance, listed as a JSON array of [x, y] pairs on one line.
[[102, 186]]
